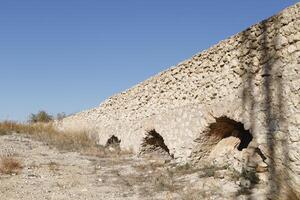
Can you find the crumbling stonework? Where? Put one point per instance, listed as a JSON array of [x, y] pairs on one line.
[[252, 78], [154, 144]]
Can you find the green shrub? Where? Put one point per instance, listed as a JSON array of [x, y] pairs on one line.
[[41, 116]]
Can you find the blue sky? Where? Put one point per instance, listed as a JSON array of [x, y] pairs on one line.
[[69, 55]]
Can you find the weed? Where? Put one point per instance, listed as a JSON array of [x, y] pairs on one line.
[[53, 166], [185, 169], [10, 165], [165, 181]]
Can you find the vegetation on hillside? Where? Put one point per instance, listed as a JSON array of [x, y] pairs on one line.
[[47, 133], [41, 127], [42, 116]]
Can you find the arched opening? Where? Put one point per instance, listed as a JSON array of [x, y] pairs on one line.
[[225, 127], [113, 143], [154, 143]]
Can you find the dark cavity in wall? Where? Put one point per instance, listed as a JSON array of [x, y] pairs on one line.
[[225, 127], [113, 142], [154, 143]]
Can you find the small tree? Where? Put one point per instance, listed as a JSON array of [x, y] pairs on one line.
[[41, 116]]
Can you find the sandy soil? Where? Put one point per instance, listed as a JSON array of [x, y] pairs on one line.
[[50, 174], [54, 175]]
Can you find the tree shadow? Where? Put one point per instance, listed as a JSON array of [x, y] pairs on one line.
[[263, 99]]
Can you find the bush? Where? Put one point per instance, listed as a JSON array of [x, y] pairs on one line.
[[10, 165], [41, 116]]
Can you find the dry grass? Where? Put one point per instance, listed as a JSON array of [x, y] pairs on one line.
[[80, 141], [165, 181], [8, 127], [185, 169], [53, 166], [149, 166], [45, 132], [10, 165], [197, 193]]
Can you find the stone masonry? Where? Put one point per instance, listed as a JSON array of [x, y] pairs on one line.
[[252, 78]]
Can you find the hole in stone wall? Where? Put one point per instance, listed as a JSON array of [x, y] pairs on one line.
[[154, 143], [225, 127], [113, 142]]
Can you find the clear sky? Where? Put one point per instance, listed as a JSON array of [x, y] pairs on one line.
[[69, 55]]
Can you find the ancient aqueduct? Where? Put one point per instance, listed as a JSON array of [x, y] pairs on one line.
[[246, 87]]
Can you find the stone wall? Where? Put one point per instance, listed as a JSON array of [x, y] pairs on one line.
[[252, 77]]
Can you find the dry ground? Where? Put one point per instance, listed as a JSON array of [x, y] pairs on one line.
[[47, 173]]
